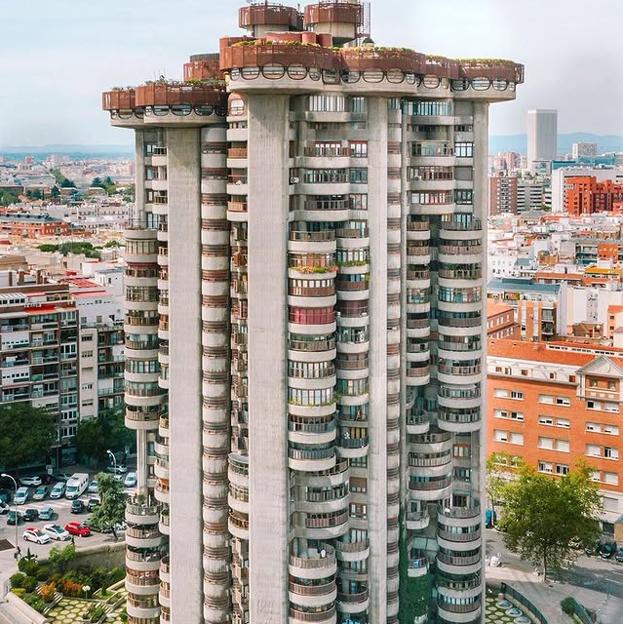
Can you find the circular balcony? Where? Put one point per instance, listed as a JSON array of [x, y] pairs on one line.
[[312, 596], [311, 431], [418, 564], [452, 589], [328, 616], [142, 583], [314, 564], [431, 489], [459, 420], [302, 241], [238, 525], [353, 602], [466, 564], [417, 520], [458, 397], [454, 373], [352, 551], [144, 609], [418, 327], [418, 422], [143, 537], [137, 512], [311, 460], [349, 448], [462, 613], [326, 526], [459, 539], [419, 376], [142, 561]]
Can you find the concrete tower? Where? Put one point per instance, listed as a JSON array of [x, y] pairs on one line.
[[542, 136], [309, 238]]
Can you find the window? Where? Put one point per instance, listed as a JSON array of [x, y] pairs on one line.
[[546, 399], [500, 436], [501, 393], [545, 467], [463, 197], [611, 453], [546, 420], [546, 443], [611, 478], [563, 401], [518, 396], [592, 450], [562, 469], [562, 446], [464, 149], [516, 438], [509, 415]]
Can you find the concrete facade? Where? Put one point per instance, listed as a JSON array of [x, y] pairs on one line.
[[542, 136], [336, 316]]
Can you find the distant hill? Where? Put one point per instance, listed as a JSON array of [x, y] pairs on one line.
[[519, 142]]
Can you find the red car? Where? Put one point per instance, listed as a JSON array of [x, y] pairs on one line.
[[77, 528]]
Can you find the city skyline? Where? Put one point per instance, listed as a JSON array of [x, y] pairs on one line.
[[119, 47]]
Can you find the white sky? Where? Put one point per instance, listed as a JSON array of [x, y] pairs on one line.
[[57, 56]]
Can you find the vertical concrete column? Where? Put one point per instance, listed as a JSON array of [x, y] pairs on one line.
[[184, 177], [268, 206], [138, 215], [377, 457], [481, 203]]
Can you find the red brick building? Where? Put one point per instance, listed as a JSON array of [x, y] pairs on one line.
[[584, 195], [555, 403]]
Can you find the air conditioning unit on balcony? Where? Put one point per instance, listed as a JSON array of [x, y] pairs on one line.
[[295, 180]]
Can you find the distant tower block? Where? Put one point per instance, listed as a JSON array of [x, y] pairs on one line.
[[346, 20], [260, 18]]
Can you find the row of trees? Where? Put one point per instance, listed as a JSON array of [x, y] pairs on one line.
[[546, 520], [27, 434]]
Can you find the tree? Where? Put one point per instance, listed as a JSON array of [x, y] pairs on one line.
[[7, 198], [107, 431], [59, 557], [26, 434], [55, 192], [97, 182], [499, 473], [548, 520], [111, 511]]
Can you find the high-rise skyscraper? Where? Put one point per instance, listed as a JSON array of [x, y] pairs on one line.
[[542, 137], [305, 328]]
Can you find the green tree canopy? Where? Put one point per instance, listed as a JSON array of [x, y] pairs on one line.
[[500, 468], [112, 509], [7, 198], [548, 520], [26, 434], [107, 431]]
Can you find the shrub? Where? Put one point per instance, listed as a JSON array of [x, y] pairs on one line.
[[17, 580], [30, 584], [48, 592], [67, 587], [35, 602], [95, 613], [19, 591], [29, 567], [43, 573], [568, 605]]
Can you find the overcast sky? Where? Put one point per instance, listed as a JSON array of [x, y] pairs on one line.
[[57, 56]]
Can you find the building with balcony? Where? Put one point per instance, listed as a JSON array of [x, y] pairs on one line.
[[553, 404], [38, 357], [304, 327], [585, 195]]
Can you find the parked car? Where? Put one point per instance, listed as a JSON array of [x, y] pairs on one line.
[[58, 490], [41, 493], [77, 485], [46, 478], [32, 480], [118, 469], [130, 480], [62, 476], [77, 528], [14, 517], [4, 508], [31, 515], [607, 550], [35, 535], [77, 506], [93, 504], [47, 513], [93, 487], [5, 496], [56, 532], [619, 555], [22, 496]]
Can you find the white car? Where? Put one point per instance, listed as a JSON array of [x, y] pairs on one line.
[[36, 481], [118, 469], [130, 480], [56, 532], [32, 534]]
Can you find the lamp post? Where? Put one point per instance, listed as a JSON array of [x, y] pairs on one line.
[[114, 460], [8, 476]]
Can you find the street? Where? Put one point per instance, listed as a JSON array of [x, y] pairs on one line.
[[603, 575]]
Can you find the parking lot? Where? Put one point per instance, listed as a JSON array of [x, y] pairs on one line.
[[62, 516]]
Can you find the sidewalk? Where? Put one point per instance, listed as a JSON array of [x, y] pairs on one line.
[[547, 597]]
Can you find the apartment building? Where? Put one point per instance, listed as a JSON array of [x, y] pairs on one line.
[[510, 194], [553, 404], [542, 137], [38, 351], [501, 320], [307, 251], [585, 195]]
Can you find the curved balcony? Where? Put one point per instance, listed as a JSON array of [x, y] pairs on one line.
[[353, 602], [349, 448], [459, 420], [456, 564], [303, 241], [143, 609], [143, 537], [417, 520], [431, 489], [296, 616], [314, 564], [352, 551], [142, 583], [458, 397], [418, 422], [311, 460], [238, 525], [467, 611], [137, 512], [458, 539], [418, 376], [142, 560], [311, 431], [459, 373], [418, 564], [326, 526], [418, 327], [460, 253], [312, 596]]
